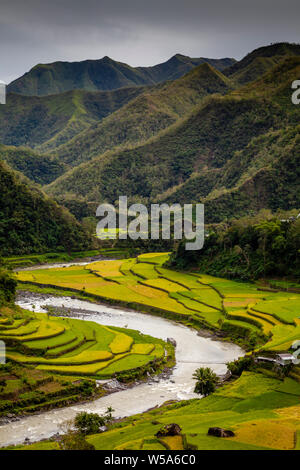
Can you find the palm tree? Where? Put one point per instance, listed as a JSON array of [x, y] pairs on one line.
[[108, 414], [206, 381]]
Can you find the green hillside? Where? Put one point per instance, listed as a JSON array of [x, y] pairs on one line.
[[259, 61], [103, 74], [46, 122], [207, 138], [265, 174], [247, 248], [262, 411], [39, 168], [146, 115], [190, 157], [30, 222]]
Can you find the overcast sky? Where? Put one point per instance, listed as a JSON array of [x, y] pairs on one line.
[[138, 32]]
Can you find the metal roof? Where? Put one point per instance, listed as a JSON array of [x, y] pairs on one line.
[[286, 356]]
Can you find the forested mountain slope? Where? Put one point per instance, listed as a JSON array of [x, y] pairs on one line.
[[259, 61], [202, 149], [30, 222], [146, 115], [204, 136], [39, 168], [49, 121]]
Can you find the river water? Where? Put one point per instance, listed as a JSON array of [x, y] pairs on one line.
[[192, 351]]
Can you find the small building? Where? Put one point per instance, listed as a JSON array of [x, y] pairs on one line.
[[264, 359], [284, 359], [280, 359]]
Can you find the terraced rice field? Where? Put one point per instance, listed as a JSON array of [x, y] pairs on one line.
[[145, 283], [75, 347], [262, 411]]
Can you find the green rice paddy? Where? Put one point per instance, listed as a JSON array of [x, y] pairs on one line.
[[144, 283], [76, 347], [262, 412]]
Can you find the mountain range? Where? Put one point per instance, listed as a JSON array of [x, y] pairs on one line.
[[198, 158], [216, 131], [104, 74]]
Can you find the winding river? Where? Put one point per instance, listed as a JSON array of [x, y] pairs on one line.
[[192, 351]]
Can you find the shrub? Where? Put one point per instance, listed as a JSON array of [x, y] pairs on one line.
[[88, 423], [241, 364], [73, 440], [8, 286]]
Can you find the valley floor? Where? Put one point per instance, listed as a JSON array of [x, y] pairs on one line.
[[262, 409], [263, 318]]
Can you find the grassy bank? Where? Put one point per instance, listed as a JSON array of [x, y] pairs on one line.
[[61, 257], [261, 410], [260, 407]]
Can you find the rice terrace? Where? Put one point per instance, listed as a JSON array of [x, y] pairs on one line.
[[149, 230], [195, 299], [261, 406]]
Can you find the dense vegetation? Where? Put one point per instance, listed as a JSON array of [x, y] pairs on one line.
[[259, 61], [8, 285], [30, 222], [143, 117], [53, 361], [39, 168], [248, 248], [231, 153], [260, 409], [177, 141], [47, 122], [104, 74]]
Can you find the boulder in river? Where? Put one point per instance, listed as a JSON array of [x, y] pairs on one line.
[[172, 341], [114, 386]]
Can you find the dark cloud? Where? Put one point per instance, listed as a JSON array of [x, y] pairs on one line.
[[138, 32]]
